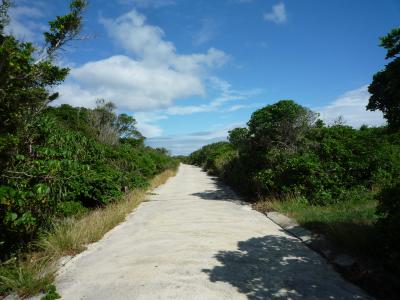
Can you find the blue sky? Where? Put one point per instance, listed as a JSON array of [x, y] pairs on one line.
[[189, 71]]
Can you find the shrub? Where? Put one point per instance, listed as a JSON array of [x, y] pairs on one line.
[[283, 151], [68, 170], [389, 209]]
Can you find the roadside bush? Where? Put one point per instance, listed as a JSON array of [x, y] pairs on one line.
[[285, 150], [71, 208], [389, 223], [66, 170]]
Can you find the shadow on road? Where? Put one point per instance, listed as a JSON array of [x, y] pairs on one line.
[[275, 267], [220, 192]]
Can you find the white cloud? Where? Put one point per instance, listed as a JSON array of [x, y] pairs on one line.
[[74, 95], [186, 144], [148, 43], [153, 79], [188, 110], [226, 94], [145, 124], [24, 23], [242, 106], [278, 14], [351, 106], [146, 120], [133, 85]]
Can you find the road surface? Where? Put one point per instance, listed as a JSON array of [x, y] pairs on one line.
[[193, 239]]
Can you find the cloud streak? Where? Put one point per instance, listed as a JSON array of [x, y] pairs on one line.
[[277, 15], [186, 144], [351, 106], [227, 95], [207, 32]]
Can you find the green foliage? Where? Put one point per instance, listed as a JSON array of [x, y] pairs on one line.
[[67, 171], [212, 157], [284, 151], [59, 161], [385, 87], [65, 28], [71, 208], [389, 209], [350, 223], [4, 18], [391, 42], [282, 124], [239, 138], [51, 293], [324, 176], [25, 79]]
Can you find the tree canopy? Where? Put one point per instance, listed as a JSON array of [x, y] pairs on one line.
[[385, 87], [27, 73]]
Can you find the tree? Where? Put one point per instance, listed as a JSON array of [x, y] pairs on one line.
[[4, 18], [239, 138], [26, 74], [391, 42], [109, 127], [280, 125], [126, 126], [385, 86]]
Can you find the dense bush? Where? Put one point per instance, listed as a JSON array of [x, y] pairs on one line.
[[292, 153], [389, 208], [213, 157], [66, 170]]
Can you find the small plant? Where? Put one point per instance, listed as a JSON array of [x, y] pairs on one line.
[[51, 293]]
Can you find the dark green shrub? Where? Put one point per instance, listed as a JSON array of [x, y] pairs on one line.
[[65, 171], [71, 208], [389, 210], [283, 151]]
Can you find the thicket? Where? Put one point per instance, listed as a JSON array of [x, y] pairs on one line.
[[287, 152], [59, 161]]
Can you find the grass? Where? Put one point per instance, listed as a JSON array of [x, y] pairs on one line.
[[34, 272], [350, 223]]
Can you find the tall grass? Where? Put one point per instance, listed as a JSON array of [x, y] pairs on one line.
[[32, 272], [350, 223]]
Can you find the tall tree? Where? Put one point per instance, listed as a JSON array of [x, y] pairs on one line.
[[281, 125], [27, 73], [385, 86]]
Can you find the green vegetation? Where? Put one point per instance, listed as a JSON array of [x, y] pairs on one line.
[[385, 87], [338, 180], [68, 174], [32, 272], [335, 180], [350, 224], [327, 177], [68, 170], [51, 293]]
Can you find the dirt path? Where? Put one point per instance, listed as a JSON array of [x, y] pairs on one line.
[[194, 240]]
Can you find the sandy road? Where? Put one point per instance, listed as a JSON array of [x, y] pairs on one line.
[[192, 239]]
